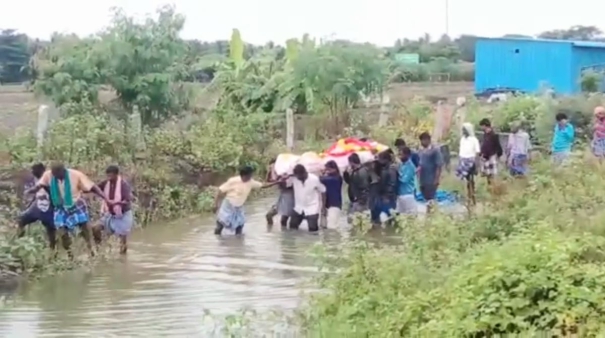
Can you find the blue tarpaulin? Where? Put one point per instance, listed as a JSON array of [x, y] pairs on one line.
[[442, 197]]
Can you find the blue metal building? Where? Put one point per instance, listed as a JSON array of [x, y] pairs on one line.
[[528, 65]]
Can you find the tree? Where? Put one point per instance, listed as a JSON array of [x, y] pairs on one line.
[[14, 56], [145, 64], [69, 69], [573, 33]]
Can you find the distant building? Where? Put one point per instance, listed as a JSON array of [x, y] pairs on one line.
[[529, 65]]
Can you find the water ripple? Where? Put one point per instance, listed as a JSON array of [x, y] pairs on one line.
[[171, 275]]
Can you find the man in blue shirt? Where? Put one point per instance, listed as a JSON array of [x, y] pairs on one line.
[[400, 144], [562, 140], [406, 201]]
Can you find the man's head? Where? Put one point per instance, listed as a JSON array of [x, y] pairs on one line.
[[246, 173], [425, 139], [467, 129], [399, 143], [112, 172], [58, 170], [485, 125], [385, 157], [332, 168], [300, 172], [38, 170], [561, 119], [354, 161], [405, 153]]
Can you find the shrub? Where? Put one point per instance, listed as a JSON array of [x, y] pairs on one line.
[[529, 262]]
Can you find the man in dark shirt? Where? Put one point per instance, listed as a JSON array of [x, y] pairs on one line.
[[491, 150], [39, 207], [429, 174], [358, 179], [384, 198]]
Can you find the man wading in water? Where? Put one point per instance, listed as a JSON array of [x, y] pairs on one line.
[[357, 177], [66, 187], [308, 192], [230, 199], [285, 201], [39, 209], [117, 218]]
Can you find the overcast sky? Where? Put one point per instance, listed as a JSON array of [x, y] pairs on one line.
[[376, 21]]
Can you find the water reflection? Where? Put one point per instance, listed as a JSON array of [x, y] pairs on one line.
[[171, 275]]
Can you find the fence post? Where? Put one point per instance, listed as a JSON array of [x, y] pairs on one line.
[[384, 114], [290, 129], [42, 127]]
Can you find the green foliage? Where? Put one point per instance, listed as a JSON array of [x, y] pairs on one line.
[[14, 56], [538, 114], [69, 70], [328, 77], [531, 263], [142, 63], [590, 82]]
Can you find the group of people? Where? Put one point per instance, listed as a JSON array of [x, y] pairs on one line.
[[473, 155], [390, 182], [56, 199], [387, 184], [379, 187]]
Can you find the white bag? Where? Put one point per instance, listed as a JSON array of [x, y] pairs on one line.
[[285, 163]]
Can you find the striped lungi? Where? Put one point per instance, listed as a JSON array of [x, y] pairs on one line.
[[71, 217]]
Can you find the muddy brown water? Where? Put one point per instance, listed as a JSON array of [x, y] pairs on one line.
[[172, 274]]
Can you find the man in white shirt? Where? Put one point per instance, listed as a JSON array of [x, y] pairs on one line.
[[468, 159], [308, 192]]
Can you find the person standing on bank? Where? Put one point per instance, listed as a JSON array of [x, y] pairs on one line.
[[39, 209], [231, 197], [491, 151], [562, 140], [67, 187], [468, 160], [431, 165], [598, 135], [308, 194], [518, 151]]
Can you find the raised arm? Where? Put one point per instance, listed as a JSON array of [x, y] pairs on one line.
[[88, 185]]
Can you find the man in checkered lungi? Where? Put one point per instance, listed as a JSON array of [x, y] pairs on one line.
[[491, 150]]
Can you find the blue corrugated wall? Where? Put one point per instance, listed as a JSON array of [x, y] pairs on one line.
[[524, 65], [586, 57]]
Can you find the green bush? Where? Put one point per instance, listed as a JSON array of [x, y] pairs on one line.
[[438, 69], [529, 262]]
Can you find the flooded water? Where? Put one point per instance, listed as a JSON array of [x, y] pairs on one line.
[[171, 275]]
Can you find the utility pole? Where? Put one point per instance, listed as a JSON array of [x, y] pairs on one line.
[[447, 17]]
